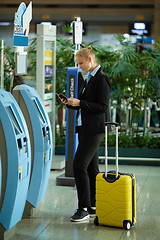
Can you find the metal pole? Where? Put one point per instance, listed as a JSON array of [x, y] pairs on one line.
[[77, 47], [106, 153], [131, 158], [113, 111], [116, 151], [2, 65]]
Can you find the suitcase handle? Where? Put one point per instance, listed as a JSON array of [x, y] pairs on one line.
[[111, 178], [106, 147]]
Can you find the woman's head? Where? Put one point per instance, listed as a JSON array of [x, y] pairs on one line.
[[85, 59]]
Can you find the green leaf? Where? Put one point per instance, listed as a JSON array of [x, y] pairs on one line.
[[119, 37], [67, 28]]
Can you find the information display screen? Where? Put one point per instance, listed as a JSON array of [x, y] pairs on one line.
[[49, 67], [140, 28], [39, 112], [14, 121]]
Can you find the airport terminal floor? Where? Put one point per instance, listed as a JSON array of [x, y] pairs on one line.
[[51, 219]]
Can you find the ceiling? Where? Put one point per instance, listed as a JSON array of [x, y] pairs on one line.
[[103, 12]]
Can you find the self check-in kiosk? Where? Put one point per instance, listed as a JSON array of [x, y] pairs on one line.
[[15, 164], [41, 143], [75, 81]]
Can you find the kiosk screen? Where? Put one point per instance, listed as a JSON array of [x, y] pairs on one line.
[[14, 121], [39, 112]]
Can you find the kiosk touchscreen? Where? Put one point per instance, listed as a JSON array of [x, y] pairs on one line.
[[15, 164], [41, 141]]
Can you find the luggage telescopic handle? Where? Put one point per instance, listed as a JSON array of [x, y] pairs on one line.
[[106, 147]]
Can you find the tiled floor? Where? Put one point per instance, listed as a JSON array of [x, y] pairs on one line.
[[51, 220]]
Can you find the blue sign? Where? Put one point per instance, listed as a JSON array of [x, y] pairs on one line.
[[21, 25]]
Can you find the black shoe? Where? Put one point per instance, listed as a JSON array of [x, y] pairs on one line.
[[92, 213], [80, 215]]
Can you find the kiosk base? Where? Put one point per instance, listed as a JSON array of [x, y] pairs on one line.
[[28, 211], [6, 235], [58, 162], [62, 180]]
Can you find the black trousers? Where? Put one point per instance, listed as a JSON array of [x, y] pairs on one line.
[[85, 168]]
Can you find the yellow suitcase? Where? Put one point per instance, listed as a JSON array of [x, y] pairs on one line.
[[115, 194]]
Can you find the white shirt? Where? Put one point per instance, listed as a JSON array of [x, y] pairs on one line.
[[93, 73]]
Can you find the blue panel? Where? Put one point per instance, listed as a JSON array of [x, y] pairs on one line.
[[17, 144], [0, 176], [20, 41], [42, 142], [72, 91]]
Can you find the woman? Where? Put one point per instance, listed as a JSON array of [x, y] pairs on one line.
[[93, 111]]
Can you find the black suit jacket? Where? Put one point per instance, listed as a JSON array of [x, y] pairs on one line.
[[94, 103]]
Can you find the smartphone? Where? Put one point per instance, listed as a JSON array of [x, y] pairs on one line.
[[61, 96]]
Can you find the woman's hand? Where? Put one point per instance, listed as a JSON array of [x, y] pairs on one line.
[[73, 102]]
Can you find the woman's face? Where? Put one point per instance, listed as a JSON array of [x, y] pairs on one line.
[[84, 64]]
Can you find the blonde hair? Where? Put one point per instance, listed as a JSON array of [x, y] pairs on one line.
[[86, 53]]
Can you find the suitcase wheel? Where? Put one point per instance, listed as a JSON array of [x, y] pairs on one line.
[[127, 224], [96, 221]]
